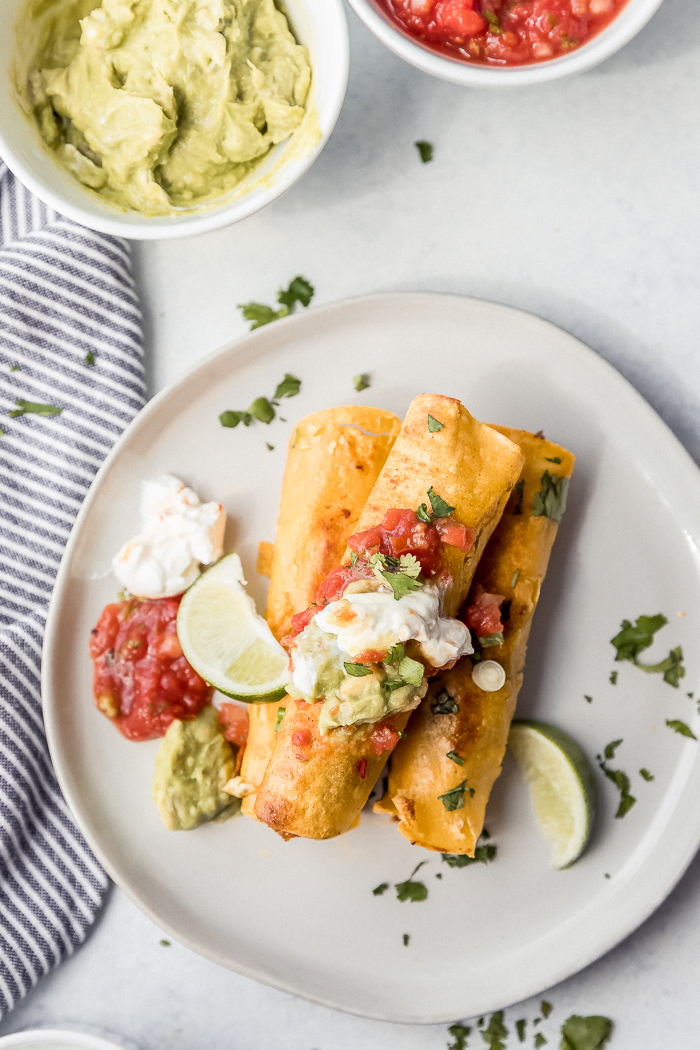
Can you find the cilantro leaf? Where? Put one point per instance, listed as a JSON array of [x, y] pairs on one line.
[[518, 489], [441, 509], [289, 387], [459, 1033], [16, 368], [379, 890], [270, 448], [444, 704], [357, 670], [425, 149], [622, 783], [551, 499], [633, 639], [89, 358], [681, 728], [259, 314], [520, 1029], [434, 425], [424, 514], [299, 291], [399, 582], [546, 1008], [262, 409], [361, 381], [232, 419], [496, 1032], [455, 758], [482, 855], [409, 564], [585, 1033], [406, 939], [493, 21], [491, 639], [611, 748], [33, 408], [646, 774], [412, 891], [164, 943], [390, 684], [539, 1041], [613, 677], [554, 459], [588, 698], [672, 667], [454, 798], [395, 654], [411, 671]]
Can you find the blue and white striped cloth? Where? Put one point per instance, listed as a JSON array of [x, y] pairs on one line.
[[65, 293]]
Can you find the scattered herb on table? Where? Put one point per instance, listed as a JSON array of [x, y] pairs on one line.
[[33, 408], [482, 855], [406, 939], [546, 1008], [410, 890], [588, 698], [166, 944], [434, 425], [263, 408], [299, 291], [289, 387], [520, 1029], [539, 1040], [633, 639], [379, 890], [550, 501], [270, 448], [646, 774], [613, 677], [459, 1033], [519, 488], [681, 728], [454, 798], [622, 783], [425, 150], [89, 358], [611, 748], [585, 1033], [454, 757], [444, 704], [496, 1032], [361, 381], [16, 368]]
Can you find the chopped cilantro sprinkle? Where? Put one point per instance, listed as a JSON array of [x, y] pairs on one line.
[[434, 425], [633, 639], [611, 748], [411, 671], [539, 1040], [482, 855], [520, 1029], [16, 368], [554, 459], [33, 408], [410, 890], [515, 578], [494, 1034], [585, 1033], [395, 654], [260, 314], [491, 639], [361, 381], [455, 758], [613, 678], [441, 509], [424, 514], [646, 774], [271, 448], [280, 716], [299, 291], [379, 890], [89, 358], [425, 150], [622, 783], [289, 387], [518, 489], [550, 501], [444, 704], [400, 582], [166, 944], [459, 1033], [357, 670], [588, 698], [680, 727], [546, 1008], [406, 939], [262, 409], [454, 798], [232, 419]]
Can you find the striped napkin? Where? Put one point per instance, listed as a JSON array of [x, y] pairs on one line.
[[70, 339]]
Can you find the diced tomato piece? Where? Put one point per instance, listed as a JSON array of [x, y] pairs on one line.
[[384, 738], [484, 615], [301, 737], [235, 718], [369, 656], [458, 18], [361, 768], [455, 535]]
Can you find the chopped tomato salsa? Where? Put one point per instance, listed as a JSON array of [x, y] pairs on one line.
[[503, 32], [384, 738], [141, 680], [483, 616], [235, 719]]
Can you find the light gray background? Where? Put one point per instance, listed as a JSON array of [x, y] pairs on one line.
[[576, 200]]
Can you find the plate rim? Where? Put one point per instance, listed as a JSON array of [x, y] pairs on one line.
[[50, 707]]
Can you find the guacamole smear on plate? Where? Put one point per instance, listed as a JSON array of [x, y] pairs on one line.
[[161, 105], [193, 763]]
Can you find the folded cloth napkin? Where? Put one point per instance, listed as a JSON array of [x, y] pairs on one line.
[[70, 339]]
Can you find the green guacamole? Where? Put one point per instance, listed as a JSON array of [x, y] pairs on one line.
[[193, 763], [162, 104]]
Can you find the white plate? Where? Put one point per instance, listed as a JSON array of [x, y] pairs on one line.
[[301, 916]]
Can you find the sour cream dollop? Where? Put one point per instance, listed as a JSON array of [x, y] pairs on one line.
[[376, 620], [179, 535]]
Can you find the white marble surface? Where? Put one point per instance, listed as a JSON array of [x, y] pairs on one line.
[[577, 200]]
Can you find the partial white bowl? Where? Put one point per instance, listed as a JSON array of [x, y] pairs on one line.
[[633, 17], [63, 1039], [318, 24]]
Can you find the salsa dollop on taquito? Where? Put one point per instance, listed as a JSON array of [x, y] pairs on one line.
[[376, 630]]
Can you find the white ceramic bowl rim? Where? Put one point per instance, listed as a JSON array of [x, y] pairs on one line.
[[631, 19], [332, 84]]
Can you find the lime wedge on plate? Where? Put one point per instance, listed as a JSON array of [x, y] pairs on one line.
[[225, 640], [562, 785]]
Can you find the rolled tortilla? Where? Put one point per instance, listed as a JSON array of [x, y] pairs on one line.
[[315, 786], [333, 461], [514, 565]]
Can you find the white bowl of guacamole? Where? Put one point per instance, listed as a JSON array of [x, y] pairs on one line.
[[161, 118]]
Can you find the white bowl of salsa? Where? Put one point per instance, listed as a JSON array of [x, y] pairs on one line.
[[501, 43], [319, 25]]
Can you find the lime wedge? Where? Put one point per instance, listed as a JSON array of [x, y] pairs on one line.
[[225, 640], [562, 786]]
